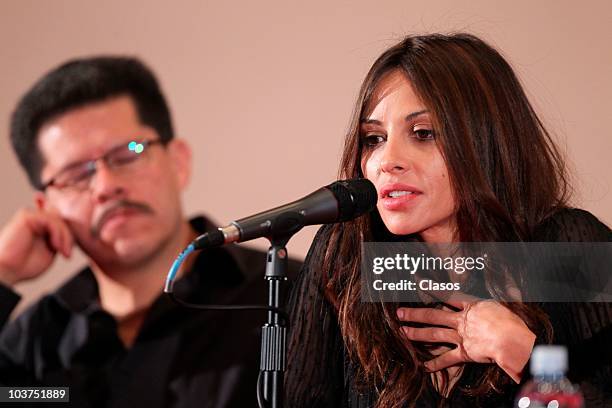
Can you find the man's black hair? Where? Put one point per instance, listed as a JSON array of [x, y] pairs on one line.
[[80, 82]]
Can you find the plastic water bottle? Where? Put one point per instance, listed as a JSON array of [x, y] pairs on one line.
[[549, 387]]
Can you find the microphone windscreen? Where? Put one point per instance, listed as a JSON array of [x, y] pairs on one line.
[[355, 197]]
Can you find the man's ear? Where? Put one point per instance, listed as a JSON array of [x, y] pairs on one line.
[[180, 154]]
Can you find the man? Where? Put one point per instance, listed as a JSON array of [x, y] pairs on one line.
[[95, 138]]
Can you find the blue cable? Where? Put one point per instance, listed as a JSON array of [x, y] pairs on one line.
[[175, 267]]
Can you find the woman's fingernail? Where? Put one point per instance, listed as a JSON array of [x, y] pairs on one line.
[[400, 313]]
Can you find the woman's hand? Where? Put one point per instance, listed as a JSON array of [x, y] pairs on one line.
[[484, 331]]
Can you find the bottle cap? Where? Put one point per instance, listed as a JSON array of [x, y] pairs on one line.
[[548, 360]]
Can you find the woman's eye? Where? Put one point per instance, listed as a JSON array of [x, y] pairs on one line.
[[372, 140], [424, 134]]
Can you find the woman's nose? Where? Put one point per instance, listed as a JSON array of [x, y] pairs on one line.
[[395, 157]]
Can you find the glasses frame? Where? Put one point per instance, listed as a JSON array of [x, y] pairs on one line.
[[92, 164]]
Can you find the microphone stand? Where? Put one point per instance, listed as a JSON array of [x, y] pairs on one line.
[[274, 332]]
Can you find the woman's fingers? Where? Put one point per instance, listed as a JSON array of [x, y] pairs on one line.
[[448, 359], [432, 335], [429, 315], [460, 300]]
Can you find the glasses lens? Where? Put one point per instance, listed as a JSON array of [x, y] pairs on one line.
[[78, 176], [125, 155]]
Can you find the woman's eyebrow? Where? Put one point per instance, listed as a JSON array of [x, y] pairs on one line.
[[370, 122], [413, 115], [408, 117]]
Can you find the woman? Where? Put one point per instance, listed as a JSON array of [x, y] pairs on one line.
[[445, 132]]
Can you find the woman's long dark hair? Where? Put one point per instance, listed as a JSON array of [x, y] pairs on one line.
[[507, 177]]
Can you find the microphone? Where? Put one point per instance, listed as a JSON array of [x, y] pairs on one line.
[[338, 202]]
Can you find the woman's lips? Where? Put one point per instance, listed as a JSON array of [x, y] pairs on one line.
[[398, 196], [400, 202]]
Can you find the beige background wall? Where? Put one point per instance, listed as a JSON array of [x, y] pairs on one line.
[[263, 89]]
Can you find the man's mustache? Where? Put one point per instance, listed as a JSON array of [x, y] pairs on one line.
[[108, 212]]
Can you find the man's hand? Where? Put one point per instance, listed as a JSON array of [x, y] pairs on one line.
[[29, 242]]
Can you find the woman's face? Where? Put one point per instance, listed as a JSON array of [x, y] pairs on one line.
[[401, 157]]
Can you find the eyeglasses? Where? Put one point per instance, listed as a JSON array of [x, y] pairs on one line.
[[78, 176]]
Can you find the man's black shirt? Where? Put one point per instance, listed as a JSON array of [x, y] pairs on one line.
[[180, 357]]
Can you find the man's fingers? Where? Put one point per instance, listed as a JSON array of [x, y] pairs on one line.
[[65, 236], [432, 334], [56, 235], [51, 227], [67, 239]]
